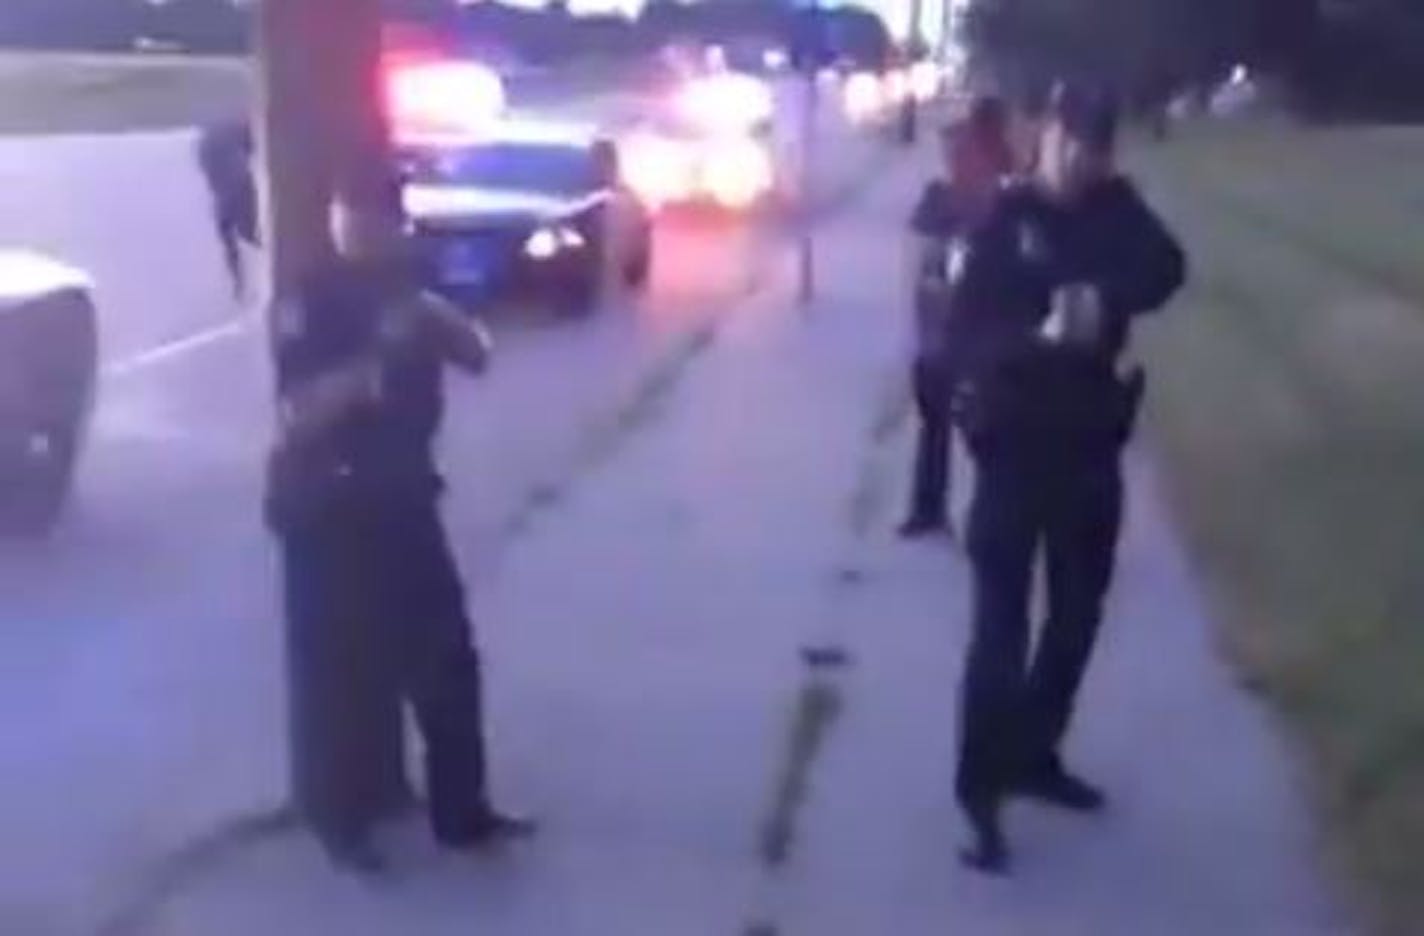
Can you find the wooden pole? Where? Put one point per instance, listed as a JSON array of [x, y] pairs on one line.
[[813, 58], [321, 129]]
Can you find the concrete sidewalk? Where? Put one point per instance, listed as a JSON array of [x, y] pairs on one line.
[[645, 640]]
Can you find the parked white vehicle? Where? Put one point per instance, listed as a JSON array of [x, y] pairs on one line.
[[48, 369]]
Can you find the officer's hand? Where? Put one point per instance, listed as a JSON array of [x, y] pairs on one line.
[[314, 407], [1077, 317], [401, 322], [463, 340]]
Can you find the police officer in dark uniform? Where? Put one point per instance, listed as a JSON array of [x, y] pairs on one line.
[[1053, 280], [225, 157], [977, 157], [374, 599]]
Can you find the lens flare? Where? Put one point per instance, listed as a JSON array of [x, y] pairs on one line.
[[863, 97], [442, 97]]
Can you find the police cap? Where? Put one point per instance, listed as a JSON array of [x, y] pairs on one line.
[[1086, 114]]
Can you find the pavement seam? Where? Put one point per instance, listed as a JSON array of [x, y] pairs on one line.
[[202, 856], [822, 696]]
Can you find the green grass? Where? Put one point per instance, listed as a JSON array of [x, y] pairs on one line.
[[1289, 411], [100, 94]]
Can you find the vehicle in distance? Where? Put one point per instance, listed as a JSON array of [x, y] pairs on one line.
[[48, 365], [705, 143], [525, 211], [673, 164]]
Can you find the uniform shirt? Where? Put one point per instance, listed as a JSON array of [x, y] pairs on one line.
[[225, 156], [385, 447], [1027, 248], [940, 218]]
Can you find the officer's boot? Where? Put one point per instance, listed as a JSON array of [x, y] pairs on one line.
[[988, 852]]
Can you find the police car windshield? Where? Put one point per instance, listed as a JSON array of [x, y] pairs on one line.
[[546, 168]]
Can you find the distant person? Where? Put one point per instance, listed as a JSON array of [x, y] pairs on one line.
[[977, 155], [1053, 279], [225, 153], [373, 596]]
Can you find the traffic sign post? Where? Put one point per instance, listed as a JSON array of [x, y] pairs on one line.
[[810, 115]]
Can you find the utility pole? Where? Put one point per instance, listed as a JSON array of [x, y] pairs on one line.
[[813, 55], [321, 126], [810, 114], [914, 44]]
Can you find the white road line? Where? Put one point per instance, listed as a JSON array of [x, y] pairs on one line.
[[128, 366]]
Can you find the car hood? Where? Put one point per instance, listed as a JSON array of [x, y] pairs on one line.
[[26, 276], [458, 204]]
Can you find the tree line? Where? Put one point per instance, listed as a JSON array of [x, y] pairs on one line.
[[543, 36], [1332, 58]]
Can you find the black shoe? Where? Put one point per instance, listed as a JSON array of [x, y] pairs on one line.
[[1057, 787], [355, 854], [989, 852], [489, 830], [920, 527]]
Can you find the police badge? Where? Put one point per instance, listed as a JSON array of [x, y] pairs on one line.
[[956, 261], [1032, 246]]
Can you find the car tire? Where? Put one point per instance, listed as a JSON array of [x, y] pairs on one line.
[[640, 268], [36, 494], [580, 297]]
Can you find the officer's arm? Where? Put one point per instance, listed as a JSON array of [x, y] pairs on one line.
[[462, 340], [315, 393], [315, 405], [1151, 265], [926, 241]]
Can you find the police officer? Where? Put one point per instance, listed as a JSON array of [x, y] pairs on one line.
[[977, 156], [225, 157], [374, 600], [1054, 278]]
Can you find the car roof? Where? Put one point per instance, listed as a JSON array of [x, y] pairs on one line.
[[26, 275]]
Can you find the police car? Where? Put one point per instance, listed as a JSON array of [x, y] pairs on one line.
[[526, 211], [48, 366], [708, 145]]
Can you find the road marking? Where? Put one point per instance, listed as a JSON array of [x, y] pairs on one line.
[[125, 367]]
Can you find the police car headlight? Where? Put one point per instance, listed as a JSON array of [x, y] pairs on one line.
[[548, 242]]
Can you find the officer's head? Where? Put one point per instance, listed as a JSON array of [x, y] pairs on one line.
[[976, 148], [1078, 143]]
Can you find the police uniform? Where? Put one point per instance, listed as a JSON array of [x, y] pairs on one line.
[[1046, 425], [941, 218], [375, 604], [225, 156]]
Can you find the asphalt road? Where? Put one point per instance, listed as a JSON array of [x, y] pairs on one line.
[[140, 646]]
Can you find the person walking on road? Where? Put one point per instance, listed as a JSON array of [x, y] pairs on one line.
[[225, 154], [1053, 279], [977, 156], [374, 600]]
